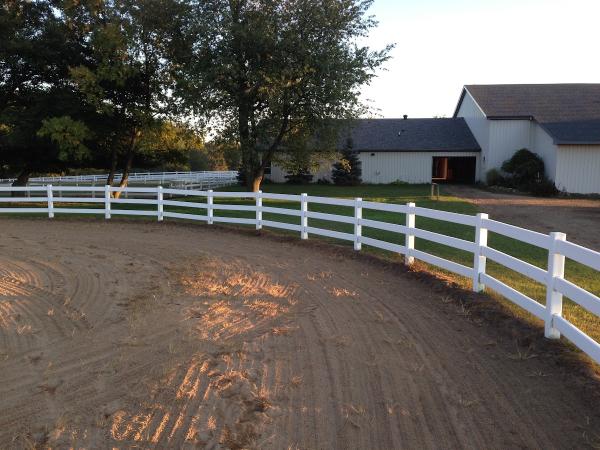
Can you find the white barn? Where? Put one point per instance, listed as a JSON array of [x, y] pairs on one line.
[[408, 150], [559, 122]]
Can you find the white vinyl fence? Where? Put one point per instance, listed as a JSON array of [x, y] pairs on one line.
[[556, 245], [203, 179]]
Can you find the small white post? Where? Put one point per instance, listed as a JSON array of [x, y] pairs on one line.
[[259, 210], [554, 299], [50, 201], [107, 201], [159, 202], [303, 216], [209, 207], [479, 261], [94, 189], [357, 225], [410, 238]]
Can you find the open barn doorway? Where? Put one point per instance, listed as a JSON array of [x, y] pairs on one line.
[[453, 169]]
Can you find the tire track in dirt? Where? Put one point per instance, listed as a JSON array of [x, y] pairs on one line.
[[208, 338]]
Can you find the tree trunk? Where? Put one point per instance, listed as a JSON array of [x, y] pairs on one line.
[[113, 168], [125, 175], [253, 182], [257, 174], [130, 153], [21, 180]]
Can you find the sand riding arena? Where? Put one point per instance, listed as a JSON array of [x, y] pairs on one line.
[[132, 334]]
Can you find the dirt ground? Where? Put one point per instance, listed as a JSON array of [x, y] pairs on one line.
[[578, 218], [148, 335]]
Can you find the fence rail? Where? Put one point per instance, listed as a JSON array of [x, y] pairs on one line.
[[555, 244], [189, 180]]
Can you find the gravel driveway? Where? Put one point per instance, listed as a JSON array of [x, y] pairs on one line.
[[578, 218]]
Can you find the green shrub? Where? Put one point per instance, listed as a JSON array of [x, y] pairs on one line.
[[525, 172], [543, 188], [524, 168], [495, 178]]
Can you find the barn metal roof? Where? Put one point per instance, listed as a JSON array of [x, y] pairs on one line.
[[570, 113]]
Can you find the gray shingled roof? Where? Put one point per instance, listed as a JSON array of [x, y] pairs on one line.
[[400, 135], [570, 113]]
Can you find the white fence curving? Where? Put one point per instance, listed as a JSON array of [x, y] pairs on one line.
[[556, 245], [205, 179]]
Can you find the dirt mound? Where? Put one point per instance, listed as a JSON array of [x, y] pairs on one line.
[[150, 335]]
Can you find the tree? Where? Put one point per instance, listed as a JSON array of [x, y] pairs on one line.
[[127, 76], [261, 70], [69, 135], [35, 52], [170, 146], [347, 171]]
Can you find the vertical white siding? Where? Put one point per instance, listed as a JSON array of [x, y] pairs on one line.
[[480, 127], [544, 146], [500, 139], [506, 137], [578, 169], [408, 167], [386, 167], [277, 174]]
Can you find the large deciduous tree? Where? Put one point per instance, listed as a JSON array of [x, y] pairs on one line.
[[127, 76], [262, 71], [36, 50]]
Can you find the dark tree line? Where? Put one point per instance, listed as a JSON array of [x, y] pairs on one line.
[[119, 84]]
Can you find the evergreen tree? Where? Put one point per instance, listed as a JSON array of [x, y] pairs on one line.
[[347, 171]]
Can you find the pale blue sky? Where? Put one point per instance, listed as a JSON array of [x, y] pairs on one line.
[[443, 44]]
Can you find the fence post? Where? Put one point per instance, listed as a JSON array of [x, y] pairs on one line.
[[303, 216], [107, 201], [209, 207], [50, 201], [159, 201], [357, 225], [479, 260], [410, 238], [554, 299], [259, 210]]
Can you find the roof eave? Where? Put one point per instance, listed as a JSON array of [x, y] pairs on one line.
[[510, 117], [460, 100], [563, 142], [465, 150]]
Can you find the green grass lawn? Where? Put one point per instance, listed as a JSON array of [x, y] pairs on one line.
[[401, 194]]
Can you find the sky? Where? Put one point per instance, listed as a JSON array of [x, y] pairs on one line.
[[442, 45]]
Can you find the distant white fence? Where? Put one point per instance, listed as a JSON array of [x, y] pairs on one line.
[[198, 179], [555, 244]]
